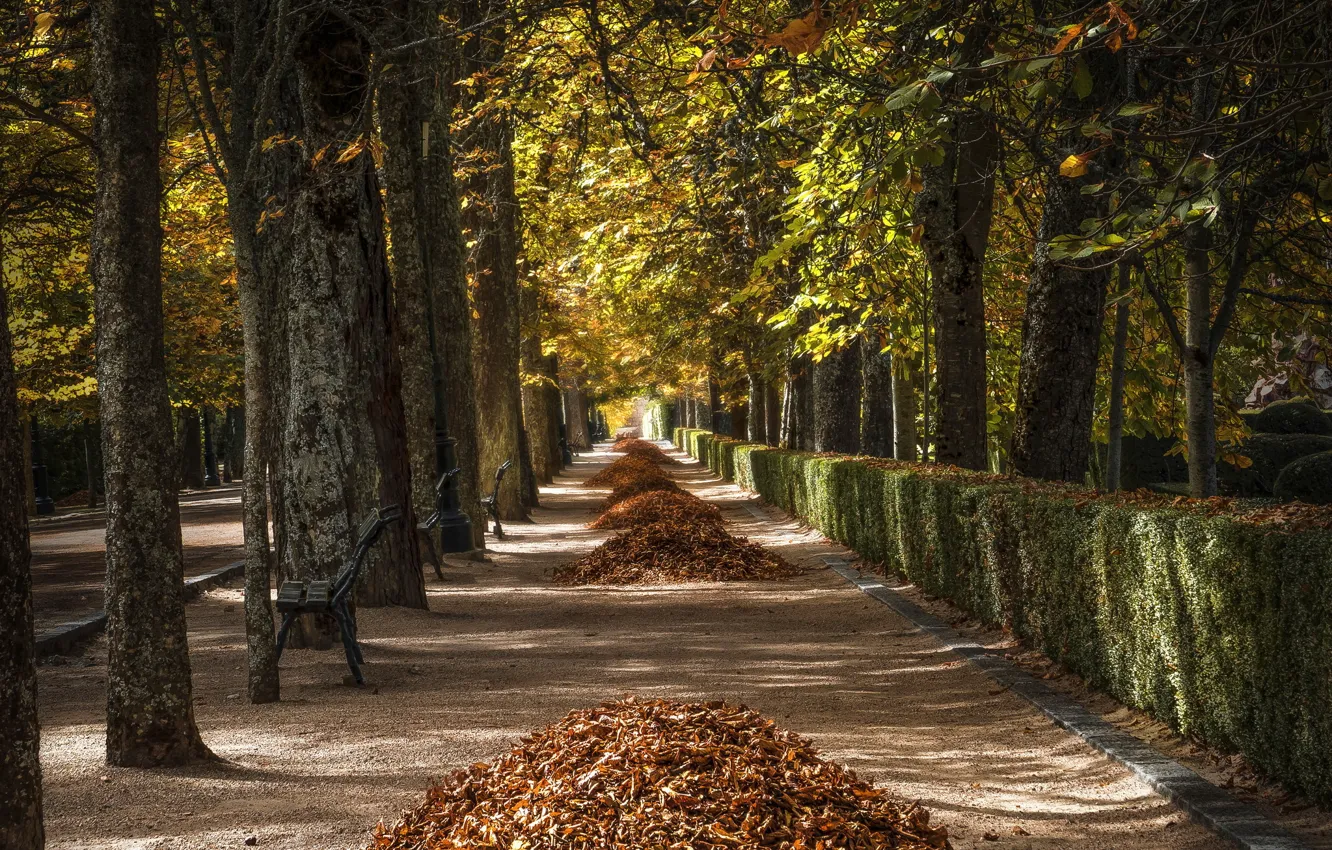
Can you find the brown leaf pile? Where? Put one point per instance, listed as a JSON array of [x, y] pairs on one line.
[[638, 487], [625, 470], [658, 774], [667, 553], [672, 506], [642, 448]]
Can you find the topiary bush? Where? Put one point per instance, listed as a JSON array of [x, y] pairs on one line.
[[1308, 479], [1219, 625], [1291, 416], [1269, 455]]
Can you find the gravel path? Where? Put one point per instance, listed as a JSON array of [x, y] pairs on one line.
[[501, 651], [69, 551]]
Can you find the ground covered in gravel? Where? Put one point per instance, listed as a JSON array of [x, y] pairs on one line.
[[504, 651]]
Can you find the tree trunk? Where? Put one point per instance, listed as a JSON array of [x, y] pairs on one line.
[[21, 767], [344, 430], [739, 416], [876, 423], [773, 408], [575, 416], [233, 443], [553, 401], [758, 410], [536, 422], [837, 401], [1061, 329], [150, 706], [904, 410], [89, 464], [430, 270], [1061, 337], [713, 409], [954, 208], [1115, 449], [191, 450], [691, 412], [1200, 411], [491, 221]]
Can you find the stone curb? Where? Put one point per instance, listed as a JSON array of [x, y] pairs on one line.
[[62, 638]]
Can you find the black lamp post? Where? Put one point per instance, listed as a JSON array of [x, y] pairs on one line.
[[455, 527], [40, 485], [210, 451]]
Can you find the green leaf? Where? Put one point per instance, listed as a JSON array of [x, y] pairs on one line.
[[1082, 78]]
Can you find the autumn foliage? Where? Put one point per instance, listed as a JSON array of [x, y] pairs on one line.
[[655, 773]]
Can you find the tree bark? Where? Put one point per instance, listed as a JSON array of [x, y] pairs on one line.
[[904, 410], [739, 415], [1115, 449], [773, 408], [491, 221], [536, 416], [150, 706], [191, 450], [837, 401], [1061, 328], [575, 415], [553, 401], [430, 266], [758, 411], [954, 209], [344, 430], [20, 767], [876, 423]]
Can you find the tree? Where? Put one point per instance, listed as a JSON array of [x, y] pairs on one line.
[[150, 708], [837, 402], [429, 255], [492, 222], [20, 766]]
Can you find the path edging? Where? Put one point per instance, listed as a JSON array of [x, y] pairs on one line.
[[62, 638]]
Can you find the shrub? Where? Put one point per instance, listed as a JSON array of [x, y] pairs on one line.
[[1308, 479], [658, 420], [1270, 454], [1291, 416], [1218, 623]]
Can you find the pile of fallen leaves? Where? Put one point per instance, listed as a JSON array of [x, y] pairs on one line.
[[624, 471], [658, 774], [667, 553], [642, 448], [673, 506]]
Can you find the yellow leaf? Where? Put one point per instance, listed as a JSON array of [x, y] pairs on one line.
[[1075, 165], [43, 23], [1073, 32]]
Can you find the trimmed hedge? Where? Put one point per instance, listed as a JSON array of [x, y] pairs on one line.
[[1219, 627], [1291, 416], [658, 420], [1269, 453], [1308, 479]]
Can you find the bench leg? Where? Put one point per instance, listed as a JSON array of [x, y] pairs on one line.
[[287, 620], [349, 646]]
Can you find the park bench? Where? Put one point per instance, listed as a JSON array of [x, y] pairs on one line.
[[440, 486], [331, 597], [491, 502]]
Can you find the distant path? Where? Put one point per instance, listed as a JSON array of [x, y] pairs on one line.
[[69, 551]]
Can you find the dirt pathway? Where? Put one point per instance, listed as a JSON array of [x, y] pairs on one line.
[[501, 651], [69, 551]]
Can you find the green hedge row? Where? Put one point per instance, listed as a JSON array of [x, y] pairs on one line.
[[658, 420], [1219, 627]]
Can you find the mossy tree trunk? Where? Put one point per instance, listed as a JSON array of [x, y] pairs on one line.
[[20, 767], [905, 437], [149, 700]]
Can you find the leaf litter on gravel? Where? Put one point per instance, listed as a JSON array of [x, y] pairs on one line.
[[659, 774], [667, 553], [674, 506], [625, 470], [634, 447]]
